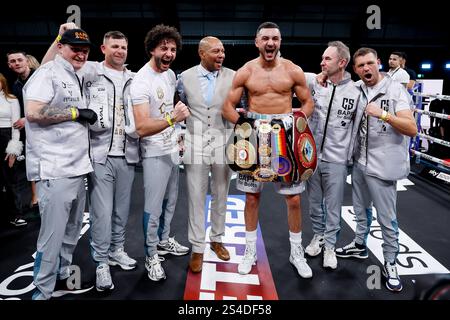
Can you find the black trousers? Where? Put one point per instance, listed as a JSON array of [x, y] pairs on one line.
[[9, 198]]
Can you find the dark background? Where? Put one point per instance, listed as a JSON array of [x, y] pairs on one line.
[[306, 28]]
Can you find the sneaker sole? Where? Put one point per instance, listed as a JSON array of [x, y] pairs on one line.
[[243, 272], [124, 267], [313, 255], [101, 290], [303, 276], [390, 289], [163, 253], [357, 257], [394, 290]]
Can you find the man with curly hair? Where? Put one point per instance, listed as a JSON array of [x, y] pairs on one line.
[[152, 95]]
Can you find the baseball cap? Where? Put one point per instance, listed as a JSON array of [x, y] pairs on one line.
[[75, 36]]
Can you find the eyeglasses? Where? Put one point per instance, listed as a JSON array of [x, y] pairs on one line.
[[77, 50]]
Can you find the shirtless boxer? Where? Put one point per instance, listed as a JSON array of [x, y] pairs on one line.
[[270, 81]]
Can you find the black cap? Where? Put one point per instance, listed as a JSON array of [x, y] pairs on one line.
[[75, 36]]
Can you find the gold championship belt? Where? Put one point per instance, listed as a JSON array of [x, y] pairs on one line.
[[304, 147], [273, 150], [241, 147]]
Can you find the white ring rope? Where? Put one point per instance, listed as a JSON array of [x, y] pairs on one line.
[[439, 141], [436, 140], [434, 96], [434, 114], [431, 158]]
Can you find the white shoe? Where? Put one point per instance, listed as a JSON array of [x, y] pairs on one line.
[[171, 246], [121, 258], [297, 258], [103, 279], [393, 281], [329, 258], [154, 268], [315, 246], [249, 258]]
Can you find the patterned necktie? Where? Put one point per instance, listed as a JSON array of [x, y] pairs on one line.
[[210, 88]]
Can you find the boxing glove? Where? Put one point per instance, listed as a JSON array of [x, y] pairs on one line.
[[87, 115]]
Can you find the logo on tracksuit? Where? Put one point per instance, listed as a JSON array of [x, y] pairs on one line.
[[346, 110]]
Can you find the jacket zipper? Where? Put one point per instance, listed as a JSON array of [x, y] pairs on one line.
[[367, 123], [328, 117], [124, 113], [113, 112]]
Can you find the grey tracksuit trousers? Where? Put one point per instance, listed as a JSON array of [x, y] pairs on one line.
[[110, 193], [161, 192], [383, 193], [326, 194], [61, 204]]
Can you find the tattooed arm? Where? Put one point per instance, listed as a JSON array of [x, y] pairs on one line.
[[43, 114]]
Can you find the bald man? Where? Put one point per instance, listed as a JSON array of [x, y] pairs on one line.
[[203, 88]]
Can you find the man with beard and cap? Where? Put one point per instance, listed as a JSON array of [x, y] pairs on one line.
[[379, 149], [204, 88], [152, 95], [57, 158], [331, 123], [269, 82]]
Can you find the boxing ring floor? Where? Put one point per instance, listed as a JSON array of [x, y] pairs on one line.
[[423, 215]]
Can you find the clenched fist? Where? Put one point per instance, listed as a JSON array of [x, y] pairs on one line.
[[180, 112]]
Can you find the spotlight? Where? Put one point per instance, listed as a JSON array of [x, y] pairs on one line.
[[425, 66]]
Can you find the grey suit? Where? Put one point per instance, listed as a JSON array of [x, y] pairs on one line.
[[205, 144]]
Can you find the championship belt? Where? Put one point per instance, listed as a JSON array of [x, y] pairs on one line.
[[304, 147], [241, 150], [281, 162], [264, 171]]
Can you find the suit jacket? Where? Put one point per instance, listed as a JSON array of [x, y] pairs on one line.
[[206, 128]]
